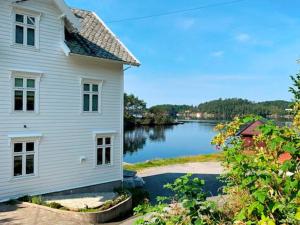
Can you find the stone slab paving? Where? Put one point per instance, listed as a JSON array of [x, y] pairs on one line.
[[81, 201], [22, 214]]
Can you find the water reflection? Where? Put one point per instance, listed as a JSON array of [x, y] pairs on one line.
[[135, 139], [146, 143]]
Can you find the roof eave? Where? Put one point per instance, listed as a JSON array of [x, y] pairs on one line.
[[105, 59]]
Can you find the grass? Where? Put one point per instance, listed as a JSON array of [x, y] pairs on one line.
[[173, 161]]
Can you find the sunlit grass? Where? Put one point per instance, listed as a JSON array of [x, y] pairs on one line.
[[173, 161]]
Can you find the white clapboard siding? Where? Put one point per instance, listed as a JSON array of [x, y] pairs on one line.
[[67, 133]]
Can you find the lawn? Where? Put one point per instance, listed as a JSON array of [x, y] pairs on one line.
[[173, 161]]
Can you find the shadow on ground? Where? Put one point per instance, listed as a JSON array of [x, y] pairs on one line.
[[154, 184]]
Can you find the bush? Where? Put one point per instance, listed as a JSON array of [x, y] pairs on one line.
[[264, 187], [55, 205], [189, 206]]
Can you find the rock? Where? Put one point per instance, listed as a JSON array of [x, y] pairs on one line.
[[129, 173], [133, 182]]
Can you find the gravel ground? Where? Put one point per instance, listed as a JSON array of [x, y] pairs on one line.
[[155, 178]]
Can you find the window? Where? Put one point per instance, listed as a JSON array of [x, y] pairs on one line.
[[24, 158], [91, 95], [25, 86], [103, 151], [25, 30], [24, 94]]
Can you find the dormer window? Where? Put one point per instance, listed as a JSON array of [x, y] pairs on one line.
[[25, 30]]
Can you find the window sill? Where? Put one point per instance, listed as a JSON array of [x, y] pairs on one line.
[[24, 113], [25, 47], [25, 177], [104, 166], [91, 113]]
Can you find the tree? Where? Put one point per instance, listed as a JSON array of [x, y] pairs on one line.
[[134, 108]]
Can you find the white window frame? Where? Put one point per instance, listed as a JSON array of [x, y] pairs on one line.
[[24, 140], [91, 93], [26, 13], [34, 75], [107, 134]]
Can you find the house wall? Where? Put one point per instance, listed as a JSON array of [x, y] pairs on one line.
[[67, 133]]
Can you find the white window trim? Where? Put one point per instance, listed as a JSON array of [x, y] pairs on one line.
[[104, 134], [99, 82], [26, 12], [27, 75], [24, 138]]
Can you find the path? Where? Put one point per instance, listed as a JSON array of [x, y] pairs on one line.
[[155, 179]]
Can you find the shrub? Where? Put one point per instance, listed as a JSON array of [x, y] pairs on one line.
[[55, 205], [189, 206], [263, 188]]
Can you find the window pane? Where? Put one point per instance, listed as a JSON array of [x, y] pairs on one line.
[[95, 87], [19, 18], [30, 100], [29, 146], [86, 103], [17, 165], [30, 20], [30, 36], [95, 103], [29, 164], [19, 35], [108, 141], [18, 100], [107, 155], [99, 156], [100, 141], [18, 82], [30, 83], [18, 147], [86, 87]]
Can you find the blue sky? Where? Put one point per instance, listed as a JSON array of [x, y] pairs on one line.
[[247, 49]]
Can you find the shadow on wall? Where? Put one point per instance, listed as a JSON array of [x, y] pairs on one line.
[[154, 184]]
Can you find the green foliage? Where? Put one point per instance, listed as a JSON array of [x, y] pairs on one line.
[[55, 205], [189, 206], [136, 113], [37, 200], [269, 179], [295, 90], [229, 108]]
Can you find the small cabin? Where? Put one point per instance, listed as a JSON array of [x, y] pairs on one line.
[[249, 131]]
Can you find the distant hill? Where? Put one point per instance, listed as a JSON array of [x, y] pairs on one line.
[[226, 109]]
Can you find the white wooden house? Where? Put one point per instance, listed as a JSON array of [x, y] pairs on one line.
[[61, 99]]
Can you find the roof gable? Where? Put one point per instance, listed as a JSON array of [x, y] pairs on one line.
[[97, 40], [251, 129]]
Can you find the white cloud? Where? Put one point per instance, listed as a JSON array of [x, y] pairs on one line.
[[186, 23], [243, 37], [217, 54]]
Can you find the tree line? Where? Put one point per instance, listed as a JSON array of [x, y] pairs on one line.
[[137, 113]]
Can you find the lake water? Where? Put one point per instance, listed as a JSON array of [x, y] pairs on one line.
[[147, 143]]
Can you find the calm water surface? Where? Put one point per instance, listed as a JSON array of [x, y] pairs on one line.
[[146, 143]]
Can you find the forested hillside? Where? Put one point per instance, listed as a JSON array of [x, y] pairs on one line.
[[137, 112]]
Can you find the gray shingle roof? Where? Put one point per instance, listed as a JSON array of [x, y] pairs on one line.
[[95, 39]]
